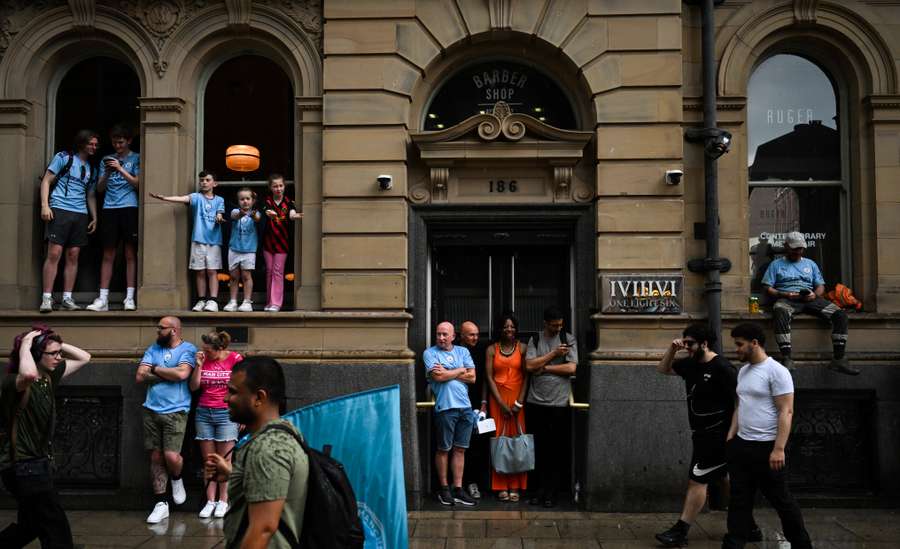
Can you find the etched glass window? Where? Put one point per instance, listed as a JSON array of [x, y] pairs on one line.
[[476, 88]]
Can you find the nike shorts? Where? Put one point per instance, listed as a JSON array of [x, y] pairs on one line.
[[708, 459]]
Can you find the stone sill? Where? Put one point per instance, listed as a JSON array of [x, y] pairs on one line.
[[281, 316], [740, 317]]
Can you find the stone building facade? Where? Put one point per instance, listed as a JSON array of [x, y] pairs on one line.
[[584, 200]]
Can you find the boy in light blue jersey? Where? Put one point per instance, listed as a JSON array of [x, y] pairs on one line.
[[65, 208], [242, 249], [208, 211], [119, 217]]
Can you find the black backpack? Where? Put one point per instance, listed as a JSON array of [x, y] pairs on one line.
[[331, 517]]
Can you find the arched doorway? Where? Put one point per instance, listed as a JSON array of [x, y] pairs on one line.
[[96, 93], [249, 100]]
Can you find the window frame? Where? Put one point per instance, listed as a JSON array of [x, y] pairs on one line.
[[842, 104]]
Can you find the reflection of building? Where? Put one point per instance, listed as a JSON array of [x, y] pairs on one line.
[[811, 151], [376, 269]]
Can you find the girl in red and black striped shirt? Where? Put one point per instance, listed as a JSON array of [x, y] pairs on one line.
[[279, 209]]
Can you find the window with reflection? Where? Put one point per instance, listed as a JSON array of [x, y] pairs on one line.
[[795, 164], [477, 88]]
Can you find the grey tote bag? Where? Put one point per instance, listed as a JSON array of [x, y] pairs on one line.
[[513, 454]]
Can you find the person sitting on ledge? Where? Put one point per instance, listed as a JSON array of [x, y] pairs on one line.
[[796, 283]]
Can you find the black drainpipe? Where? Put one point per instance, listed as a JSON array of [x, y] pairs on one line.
[[715, 143]]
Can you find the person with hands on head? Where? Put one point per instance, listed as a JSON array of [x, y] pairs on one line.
[[757, 437], [165, 369], [39, 361], [449, 368], [268, 478], [551, 359], [216, 433], [507, 380], [208, 211], [797, 285], [65, 208], [710, 381]]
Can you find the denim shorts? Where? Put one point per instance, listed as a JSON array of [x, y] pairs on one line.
[[213, 424], [454, 428]]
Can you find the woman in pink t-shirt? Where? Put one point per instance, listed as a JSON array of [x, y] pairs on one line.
[[215, 430]]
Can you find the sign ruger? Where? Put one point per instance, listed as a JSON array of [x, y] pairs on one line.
[[642, 294]]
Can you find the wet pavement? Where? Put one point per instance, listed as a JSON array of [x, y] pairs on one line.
[[509, 529]]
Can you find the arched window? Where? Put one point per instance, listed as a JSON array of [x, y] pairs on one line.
[[97, 94], [476, 88], [797, 165], [249, 100]]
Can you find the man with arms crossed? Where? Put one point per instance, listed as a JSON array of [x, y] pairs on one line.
[[757, 438], [710, 381], [449, 368], [165, 370]]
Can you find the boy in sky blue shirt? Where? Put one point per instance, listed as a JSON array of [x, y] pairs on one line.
[[119, 217], [65, 209], [208, 213], [449, 368]]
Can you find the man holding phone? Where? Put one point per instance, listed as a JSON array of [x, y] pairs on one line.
[[797, 285], [551, 360]]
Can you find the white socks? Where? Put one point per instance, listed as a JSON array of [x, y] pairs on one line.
[[129, 293], [67, 295], [104, 294]]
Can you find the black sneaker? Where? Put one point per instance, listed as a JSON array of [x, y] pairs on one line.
[[462, 498], [755, 535], [676, 536], [842, 365], [444, 497]]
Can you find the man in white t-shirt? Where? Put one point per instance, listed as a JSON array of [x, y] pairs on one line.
[[757, 438]]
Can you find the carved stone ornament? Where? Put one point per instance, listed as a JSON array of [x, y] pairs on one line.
[[84, 13], [805, 11], [15, 14], [501, 14]]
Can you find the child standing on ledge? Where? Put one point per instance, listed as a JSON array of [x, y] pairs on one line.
[[279, 209], [242, 250], [208, 211]]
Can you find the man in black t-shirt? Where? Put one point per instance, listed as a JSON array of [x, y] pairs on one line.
[[710, 382], [477, 462]]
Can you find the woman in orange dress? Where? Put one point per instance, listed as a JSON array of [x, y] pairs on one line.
[[507, 381]]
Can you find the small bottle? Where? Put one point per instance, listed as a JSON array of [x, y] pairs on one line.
[[753, 305]]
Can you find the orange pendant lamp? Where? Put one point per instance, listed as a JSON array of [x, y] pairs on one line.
[[242, 158]]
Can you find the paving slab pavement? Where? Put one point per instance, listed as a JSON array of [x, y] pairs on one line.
[[514, 528]]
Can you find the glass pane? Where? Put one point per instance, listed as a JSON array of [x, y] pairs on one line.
[[792, 122], [461, 277], [814, 211], [542, 280], [249, 100], [476, 88]]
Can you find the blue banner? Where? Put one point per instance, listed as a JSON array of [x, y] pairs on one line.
[[363, 430]]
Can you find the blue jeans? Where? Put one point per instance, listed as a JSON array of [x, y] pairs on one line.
[[214, 424]]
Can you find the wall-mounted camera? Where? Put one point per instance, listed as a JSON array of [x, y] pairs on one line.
[[385, 182], [716, 141], [673, 177]]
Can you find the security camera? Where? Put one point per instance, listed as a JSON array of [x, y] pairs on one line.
[[718, 144], [385, 182], [673, 177]]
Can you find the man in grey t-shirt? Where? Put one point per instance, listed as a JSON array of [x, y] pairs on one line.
[[759, 432], [550, 360]]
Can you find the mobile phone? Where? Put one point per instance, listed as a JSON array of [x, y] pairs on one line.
[[804, 292]]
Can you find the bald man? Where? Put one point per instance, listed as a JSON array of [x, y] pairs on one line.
[[477, 458], [449, 368], [165, 370]]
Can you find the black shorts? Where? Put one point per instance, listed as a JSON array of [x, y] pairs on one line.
[[68, 229], [118, 224], [708, 459]]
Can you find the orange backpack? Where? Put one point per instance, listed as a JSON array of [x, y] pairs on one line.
[[843, 297]]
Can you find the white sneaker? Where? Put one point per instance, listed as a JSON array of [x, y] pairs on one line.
[[129, 305], [46, 304], [199, 306], [69, 304], [230, 307], [160, 512], [246, 306], [98, 305], [270, 309], [208, 509], [211, 306], [221, 509], [178, 493]]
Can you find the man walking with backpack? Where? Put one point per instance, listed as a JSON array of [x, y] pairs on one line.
[[267, 481]]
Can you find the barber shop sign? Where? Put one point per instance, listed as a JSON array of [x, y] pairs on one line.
[[658, 293]]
